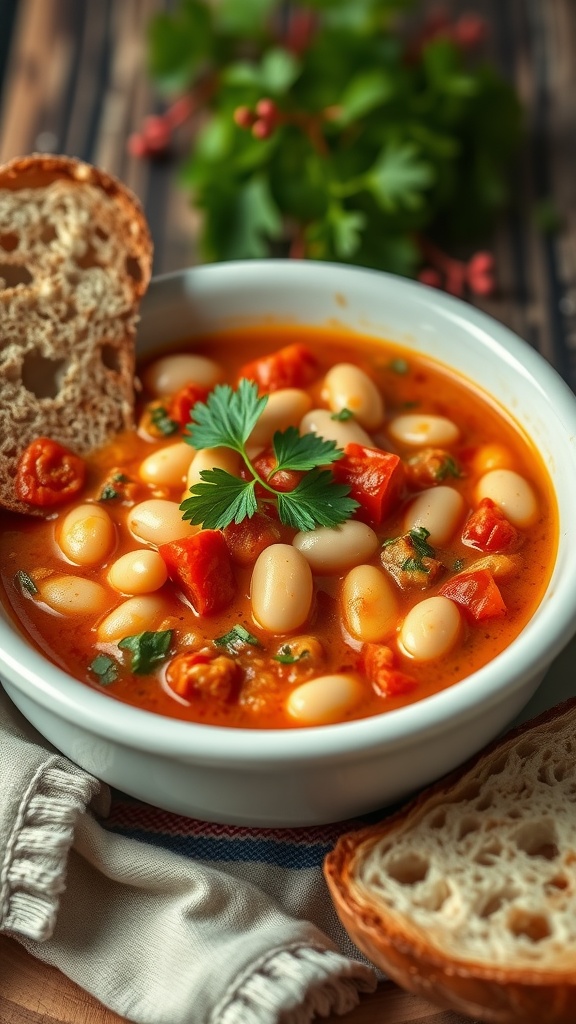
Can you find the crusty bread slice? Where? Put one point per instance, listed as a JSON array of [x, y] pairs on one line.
[[75, 260], [468, 895]]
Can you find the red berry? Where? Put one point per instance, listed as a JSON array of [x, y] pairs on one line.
[[262, 129], [180, 111], [243, 117], [137, 146], [470, 30], [267, 110], [156, 131], [481, 263], [482, 284], [430, 277]]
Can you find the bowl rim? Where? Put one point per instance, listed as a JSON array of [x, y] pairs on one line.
[[531, 652]]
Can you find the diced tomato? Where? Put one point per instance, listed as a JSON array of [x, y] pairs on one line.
[[476, 593], [202, 567], [294, 366], [184, 400], [284, 480], [247, 539], [387, 681], [375, 478], [48, 473], [488, 529]]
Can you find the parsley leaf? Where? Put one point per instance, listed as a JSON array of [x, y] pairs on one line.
[[317, 501], [458, 565], [220, 499], [147, 649], [414, 565], [448, 467], [308, 451], [25, 582], [419, 537], [285, 656], [227, 417], [104, 668], [342, 416], [161, 420], [236, 638]]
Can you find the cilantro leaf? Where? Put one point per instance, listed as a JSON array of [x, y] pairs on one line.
[[147, 649], [306, 451], [219, 500], [317, 501], [236, 639], [104, 668], [227, 417]]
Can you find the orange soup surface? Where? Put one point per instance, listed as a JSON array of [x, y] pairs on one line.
[[442, 560]]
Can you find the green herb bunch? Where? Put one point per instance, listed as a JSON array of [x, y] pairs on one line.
[[331, 132]]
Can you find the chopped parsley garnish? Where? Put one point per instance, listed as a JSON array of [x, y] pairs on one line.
[[147, 649], [419, 537], [285, 656], [226, 419], [104, 668], [161, 420], [414, 565], [448, 467], [342, 416], [25, 582], [458, 565], [236, 639], [109, 492]]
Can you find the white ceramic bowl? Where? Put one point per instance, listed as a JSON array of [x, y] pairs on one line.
[[310, 776]]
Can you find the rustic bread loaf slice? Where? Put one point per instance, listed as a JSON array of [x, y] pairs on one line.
[[75, 260], [468, 895]]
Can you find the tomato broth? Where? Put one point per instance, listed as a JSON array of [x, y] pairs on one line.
[[452, 549]]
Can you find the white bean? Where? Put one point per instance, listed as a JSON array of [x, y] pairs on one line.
[[138, 572], [369, 605], [431, 628], [87, 535], [281, 588], [512, 493], [333, 549], [170, 373], [324, 700], [284, 408], [73, 595], [167, 467], [438, 510], [136, 615], [158, 521], [213, 458], [342, 432], [422, 430], [346, 386]]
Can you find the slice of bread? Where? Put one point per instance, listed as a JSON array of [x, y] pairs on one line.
[[468, 895], [75, 260]]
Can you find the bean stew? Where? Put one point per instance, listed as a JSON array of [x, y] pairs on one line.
[[307, 526]]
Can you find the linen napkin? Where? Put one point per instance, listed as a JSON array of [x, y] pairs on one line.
[[152, 928]]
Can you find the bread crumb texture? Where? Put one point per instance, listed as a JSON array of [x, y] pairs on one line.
[[485, 870], [75, 259]]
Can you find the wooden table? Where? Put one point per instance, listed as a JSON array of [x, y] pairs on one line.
[[73, 80]]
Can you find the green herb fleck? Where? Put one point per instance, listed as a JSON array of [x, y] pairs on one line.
[[25, 582], [448, 467], [147, 649], [285, 656], [400, 366], [161, 420], [236, 639], [458, 565], [419, 537], [415, 565], [343, 415], [109, 492], [105, 668]]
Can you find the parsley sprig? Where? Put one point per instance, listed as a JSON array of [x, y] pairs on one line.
[[226, 419]]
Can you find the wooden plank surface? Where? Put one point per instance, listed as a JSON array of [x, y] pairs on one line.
[[74, 81]]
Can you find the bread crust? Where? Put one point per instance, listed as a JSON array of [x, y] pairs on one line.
[[498, 992], [75, 261]]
